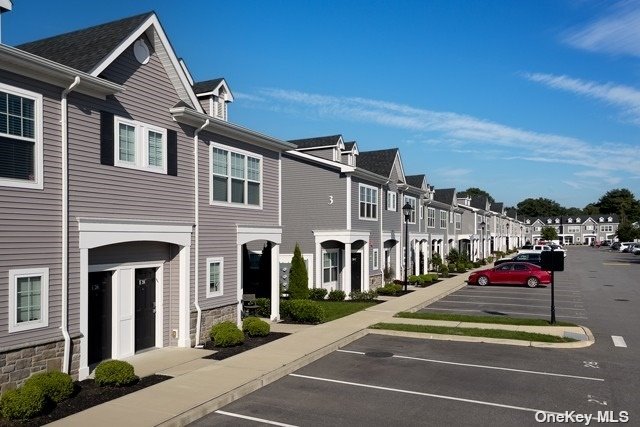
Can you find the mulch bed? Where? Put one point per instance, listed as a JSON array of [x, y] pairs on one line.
[[87, 394], [249, 343]]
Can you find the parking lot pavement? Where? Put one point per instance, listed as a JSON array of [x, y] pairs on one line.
[[506, 300], [382, 380]]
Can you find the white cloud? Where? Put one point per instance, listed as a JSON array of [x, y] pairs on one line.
[[625, 97], [468, 132], [615, 33], [453, 172]]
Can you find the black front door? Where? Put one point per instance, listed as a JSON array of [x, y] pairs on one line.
[[356, 272], [99, 316], [145, 284]]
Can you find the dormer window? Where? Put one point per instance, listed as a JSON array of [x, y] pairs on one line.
[[609, 219], [577, 219], [557, 221], [528, 221], [601, 219], [220, 105], [549, 221]]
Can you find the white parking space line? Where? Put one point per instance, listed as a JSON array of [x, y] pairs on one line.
[[471, 365], [505, 312], [485, 297], [618, 341], [515, 305], [418, 393], [261, 420]]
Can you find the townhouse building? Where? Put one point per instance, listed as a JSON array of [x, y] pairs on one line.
[[574, 230], [445, 217], [126, 200]]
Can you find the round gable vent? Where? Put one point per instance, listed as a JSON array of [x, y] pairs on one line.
[[141, 51]]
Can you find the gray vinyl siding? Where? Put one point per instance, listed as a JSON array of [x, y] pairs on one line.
[[373, 227], [414, 228], [306, 191], [102, 191], [218, 224], [323, 153], [30, 222]]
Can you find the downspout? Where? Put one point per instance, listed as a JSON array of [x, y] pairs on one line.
[[197, 231], [65, 225]]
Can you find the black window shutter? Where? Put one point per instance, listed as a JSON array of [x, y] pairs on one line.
[[172, 152], [106, 138]]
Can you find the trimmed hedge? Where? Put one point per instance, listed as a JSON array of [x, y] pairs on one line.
[[317, 294], [336, 295], [303, 311], [255, 327], [444, 271], [115, 373], [362, 296], [23, 403], [57, 386], [390, 289], [226, 334]]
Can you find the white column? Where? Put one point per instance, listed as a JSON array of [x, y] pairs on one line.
[[399, 255], [84, 314], [275, 282], [318, 283], [416, 261], [346, 271], [365, 267], [184, 298]]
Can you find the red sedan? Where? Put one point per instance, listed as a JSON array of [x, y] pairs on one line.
[[514, 273]]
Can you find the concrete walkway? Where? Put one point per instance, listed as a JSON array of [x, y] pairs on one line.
[[202, 386]]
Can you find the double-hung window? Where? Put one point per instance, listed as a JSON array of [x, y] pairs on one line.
[[431, 217], [28, 299], [330, 268], [458, 219], [368, 202], [236, 177], [412, 202], [140, 146], [392, 201], [375, 259], [443, 219], [215, 271], [21, 151]]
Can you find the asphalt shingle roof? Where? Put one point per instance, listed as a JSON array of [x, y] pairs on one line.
[[379, 161], [444, 195], [85, 49], [348, 146], [321, 141], [497, 207], [206, 86], [415, 180], [479, 202]]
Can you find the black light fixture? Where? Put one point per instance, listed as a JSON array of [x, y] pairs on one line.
[[406, 210]]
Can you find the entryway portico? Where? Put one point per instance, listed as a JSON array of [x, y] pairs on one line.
[[351, 251]]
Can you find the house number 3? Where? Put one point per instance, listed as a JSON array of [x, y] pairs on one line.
[[330, 200]]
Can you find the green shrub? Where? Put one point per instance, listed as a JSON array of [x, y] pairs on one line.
[[453, 256], [57, 386], [336, 295], [469, 265], [255, 327], [23, 403], [483, 261], [264, 307], [490, 259], [317, 294], [460, 268], [362, 296], [226, 334], [436, 261], [390, 289], [413, 280], [303, 311], [115, 373], [444, 271], [298, 276], [426, 279]]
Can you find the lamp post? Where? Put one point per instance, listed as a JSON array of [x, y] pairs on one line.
[[406, 210], [507, 236], [482, 225]]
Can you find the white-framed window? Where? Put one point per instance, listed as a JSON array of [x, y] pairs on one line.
[[368, 202], [330, 267], [431, 217], [140, 146], [215, 276], [570, 220], [412, 202], [573, 229], [392, 201], [21, 151], [590, 227], [443, 219], [236, 177], [375, 258], [609, 219], [421, 212], [606, 228], [28, 299], [458, 219], [537, 228]]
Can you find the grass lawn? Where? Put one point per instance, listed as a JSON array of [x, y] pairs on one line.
[[481, 319], [472, 332], [337, 309]]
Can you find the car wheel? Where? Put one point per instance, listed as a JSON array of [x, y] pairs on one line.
[[483, 280], [532, 282]]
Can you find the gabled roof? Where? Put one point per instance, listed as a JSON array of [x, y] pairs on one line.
[[416, 181], [512, 213], [93, 49], [379, 162], [321, 141], [213, 87], [479, 202], [444, 195], [497, 207], [85, 49], [348, 146]]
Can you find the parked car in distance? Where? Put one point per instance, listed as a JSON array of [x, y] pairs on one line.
[[534, 249], [532, 257], [555, 247], [513, 273], [624, 246]]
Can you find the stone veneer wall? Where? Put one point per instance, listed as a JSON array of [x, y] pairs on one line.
[[18, 365], [212, 317], [375, 281]]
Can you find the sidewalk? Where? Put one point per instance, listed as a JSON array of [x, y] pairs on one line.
[[202, 386]]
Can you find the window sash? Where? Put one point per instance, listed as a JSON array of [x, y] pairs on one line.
[[214, 277], [443, 219], [236, 177], [368, 202], [140, 146], [330, 267], [392, 201], [28, 298], [431, 217], [127, 143], [155, 149], [412, 202], [376, 262]]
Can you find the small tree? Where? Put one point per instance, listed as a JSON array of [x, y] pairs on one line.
[[298, 276], [436, 261], [453, 256], [549, 233]]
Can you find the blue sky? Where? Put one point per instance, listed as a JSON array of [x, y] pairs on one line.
[[523, 99]]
